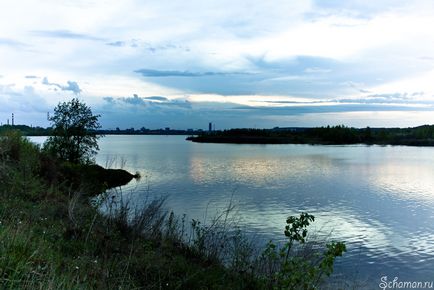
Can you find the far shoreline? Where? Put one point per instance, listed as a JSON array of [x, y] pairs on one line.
[[338, 135], [422, 136], [242, 141]]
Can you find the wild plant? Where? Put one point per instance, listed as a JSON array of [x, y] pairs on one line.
[[285, 268]]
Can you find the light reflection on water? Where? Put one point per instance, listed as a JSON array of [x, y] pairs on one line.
[[380, 200]]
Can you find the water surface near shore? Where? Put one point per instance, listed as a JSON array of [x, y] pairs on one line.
[[379, 199]]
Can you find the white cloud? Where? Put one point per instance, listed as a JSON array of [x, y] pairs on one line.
[[292, 49], [411, 85]]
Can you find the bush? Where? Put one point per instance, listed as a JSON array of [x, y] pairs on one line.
[[20, 165]]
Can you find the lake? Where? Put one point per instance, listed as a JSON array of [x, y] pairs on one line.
[[378, 199]]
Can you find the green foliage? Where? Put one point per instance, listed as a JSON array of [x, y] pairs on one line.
[[74, 138], [295, 229], [53, 237], [287, 269], [334, 249], [20, 165]]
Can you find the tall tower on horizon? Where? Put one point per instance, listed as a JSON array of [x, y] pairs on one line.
[[12, 119], [210, 127]]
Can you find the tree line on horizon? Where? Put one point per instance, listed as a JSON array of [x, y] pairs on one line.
[[422, 135], [340, 134]]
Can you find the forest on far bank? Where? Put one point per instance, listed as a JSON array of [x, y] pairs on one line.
[[330, 135]]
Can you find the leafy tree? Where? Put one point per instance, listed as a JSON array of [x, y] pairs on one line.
[[74, 137]]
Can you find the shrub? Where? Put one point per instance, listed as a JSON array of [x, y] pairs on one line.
[[287, 269]]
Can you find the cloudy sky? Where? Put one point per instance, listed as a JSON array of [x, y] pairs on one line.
[[182, 64]]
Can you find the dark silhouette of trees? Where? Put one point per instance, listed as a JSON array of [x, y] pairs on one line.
[[330, 135], [74, 135]]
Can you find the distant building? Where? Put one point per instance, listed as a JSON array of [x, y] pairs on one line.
[[210, 127], [167, 128]]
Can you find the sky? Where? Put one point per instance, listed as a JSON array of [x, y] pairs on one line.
[[182, 64]]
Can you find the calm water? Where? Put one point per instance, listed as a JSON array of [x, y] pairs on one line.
[[380, 200]]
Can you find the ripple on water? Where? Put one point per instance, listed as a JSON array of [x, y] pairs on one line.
[[380, 200]]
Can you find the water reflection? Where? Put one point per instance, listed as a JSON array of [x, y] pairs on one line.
[[258, 171], [406, 181], [380, 200]]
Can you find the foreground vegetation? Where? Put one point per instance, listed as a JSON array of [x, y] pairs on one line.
[[52, 236], [336, 135], [61, 227]]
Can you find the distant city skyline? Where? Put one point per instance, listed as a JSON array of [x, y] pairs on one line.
[[184, 64]]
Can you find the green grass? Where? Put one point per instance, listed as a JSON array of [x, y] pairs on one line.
[[53, 237]]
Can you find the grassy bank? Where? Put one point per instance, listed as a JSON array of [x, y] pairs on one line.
[[52, 236]]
